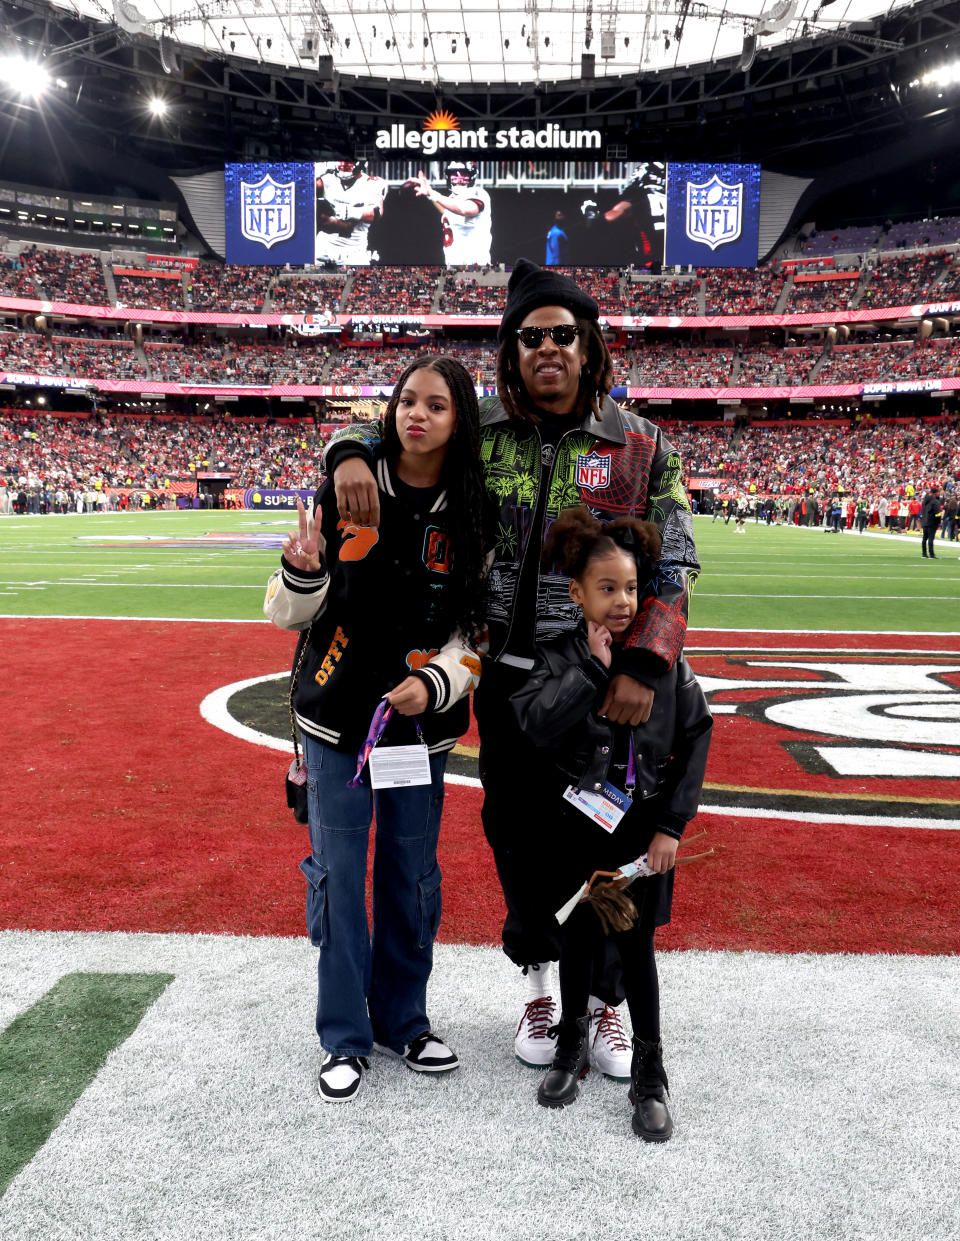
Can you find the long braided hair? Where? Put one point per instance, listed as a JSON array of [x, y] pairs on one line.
[[462, 478], [596, 378]]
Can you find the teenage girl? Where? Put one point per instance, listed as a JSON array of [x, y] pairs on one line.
[[390, 614], [653, 771]]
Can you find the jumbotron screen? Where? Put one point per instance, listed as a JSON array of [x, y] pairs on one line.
[[465, 212]]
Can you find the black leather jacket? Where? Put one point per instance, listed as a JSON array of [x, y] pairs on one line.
[[557, 710]]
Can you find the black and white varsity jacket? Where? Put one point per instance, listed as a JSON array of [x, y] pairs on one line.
[[378, 610]]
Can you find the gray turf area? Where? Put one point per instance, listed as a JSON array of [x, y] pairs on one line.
[[814, 1097]]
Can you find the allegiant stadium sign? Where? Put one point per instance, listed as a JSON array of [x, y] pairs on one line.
[[433, 140]]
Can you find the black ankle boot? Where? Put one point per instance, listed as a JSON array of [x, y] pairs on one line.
[[571, 1061], [648, 1093]]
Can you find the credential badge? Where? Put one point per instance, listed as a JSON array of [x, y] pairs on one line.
[[267, 210], [593, 471], [714, 211]]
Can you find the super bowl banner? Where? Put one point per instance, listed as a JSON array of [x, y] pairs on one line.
[[269, 213], [713, 215]]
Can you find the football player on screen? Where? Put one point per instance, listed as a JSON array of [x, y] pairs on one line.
[[464, 208], [348, 201], [631, 230]]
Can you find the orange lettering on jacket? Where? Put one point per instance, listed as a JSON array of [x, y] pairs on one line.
[[472, 664], [337, 646]]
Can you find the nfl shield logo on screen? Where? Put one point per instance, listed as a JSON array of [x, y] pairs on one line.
[[267, 210], [593, 471], [714, 211]]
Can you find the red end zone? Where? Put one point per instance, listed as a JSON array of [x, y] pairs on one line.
[[126, 810]]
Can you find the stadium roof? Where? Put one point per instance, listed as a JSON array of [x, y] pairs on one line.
[[460, 42]]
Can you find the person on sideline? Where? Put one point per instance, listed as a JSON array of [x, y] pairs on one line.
[[948, 525], [930, 511], [389, 614], [651, 774], [554, 439]]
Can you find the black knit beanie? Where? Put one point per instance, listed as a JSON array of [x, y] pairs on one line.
[[531, 286]]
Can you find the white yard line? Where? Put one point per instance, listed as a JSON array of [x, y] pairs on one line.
[[786, 1081]]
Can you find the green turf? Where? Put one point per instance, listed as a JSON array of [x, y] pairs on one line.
[[766, 578], [53, 1051], [69, 565], [777, 577]]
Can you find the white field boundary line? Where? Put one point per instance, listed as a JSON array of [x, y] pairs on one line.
[[165, 620], [731, 594], [215, 710], [76, 581], [819, 650], [758, 1077]]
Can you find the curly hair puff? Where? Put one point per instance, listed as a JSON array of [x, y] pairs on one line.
[[577, 537]]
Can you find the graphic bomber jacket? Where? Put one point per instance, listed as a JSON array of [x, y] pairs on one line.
[[377, 612], [617, 465]]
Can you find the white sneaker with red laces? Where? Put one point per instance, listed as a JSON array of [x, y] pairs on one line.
[[535, 1045], [610, 1048]]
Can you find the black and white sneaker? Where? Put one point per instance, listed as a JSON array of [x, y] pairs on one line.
[[426, 1054], [340, 1077]]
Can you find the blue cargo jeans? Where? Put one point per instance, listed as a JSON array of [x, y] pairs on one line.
[[371, 988]]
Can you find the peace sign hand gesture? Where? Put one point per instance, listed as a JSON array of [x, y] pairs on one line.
[[304, 549]]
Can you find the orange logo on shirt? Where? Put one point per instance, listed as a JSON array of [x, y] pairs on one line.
[[357, 540], [437, 551]]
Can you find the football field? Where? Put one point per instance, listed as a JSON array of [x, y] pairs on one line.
[[156, 991]]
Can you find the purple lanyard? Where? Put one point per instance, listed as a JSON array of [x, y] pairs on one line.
[[381, 718], [631, 770]]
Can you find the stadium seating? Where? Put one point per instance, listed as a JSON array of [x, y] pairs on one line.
[[149, 292], [213, 286], [308, 294], [886, 276], [868, 457], [67, 276]]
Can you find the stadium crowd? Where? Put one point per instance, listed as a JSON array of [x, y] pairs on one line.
[[663, 297], [63, 276], [740, 290], [103, 452], [214, 286], [96, 354], [879, 460], [885, 276], [143, 292], [870, 458], [308, 294]]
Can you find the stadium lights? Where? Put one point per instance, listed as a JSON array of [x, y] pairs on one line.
[[946, 75], [27, 78], [158, 106]]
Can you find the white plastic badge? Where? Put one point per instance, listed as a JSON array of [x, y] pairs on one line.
[[399, 766], [605, 807]]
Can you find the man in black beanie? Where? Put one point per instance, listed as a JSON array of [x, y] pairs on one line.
[[552, 439]]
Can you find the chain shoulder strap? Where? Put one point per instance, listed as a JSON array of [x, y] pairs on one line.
[[293, 686]]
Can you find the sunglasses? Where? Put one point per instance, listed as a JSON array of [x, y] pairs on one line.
[[561, 334]]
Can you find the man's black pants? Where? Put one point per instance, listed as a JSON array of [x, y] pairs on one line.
[[516, 818]]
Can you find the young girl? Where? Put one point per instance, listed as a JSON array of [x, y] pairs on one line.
[[653, 771], [390, 613]]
